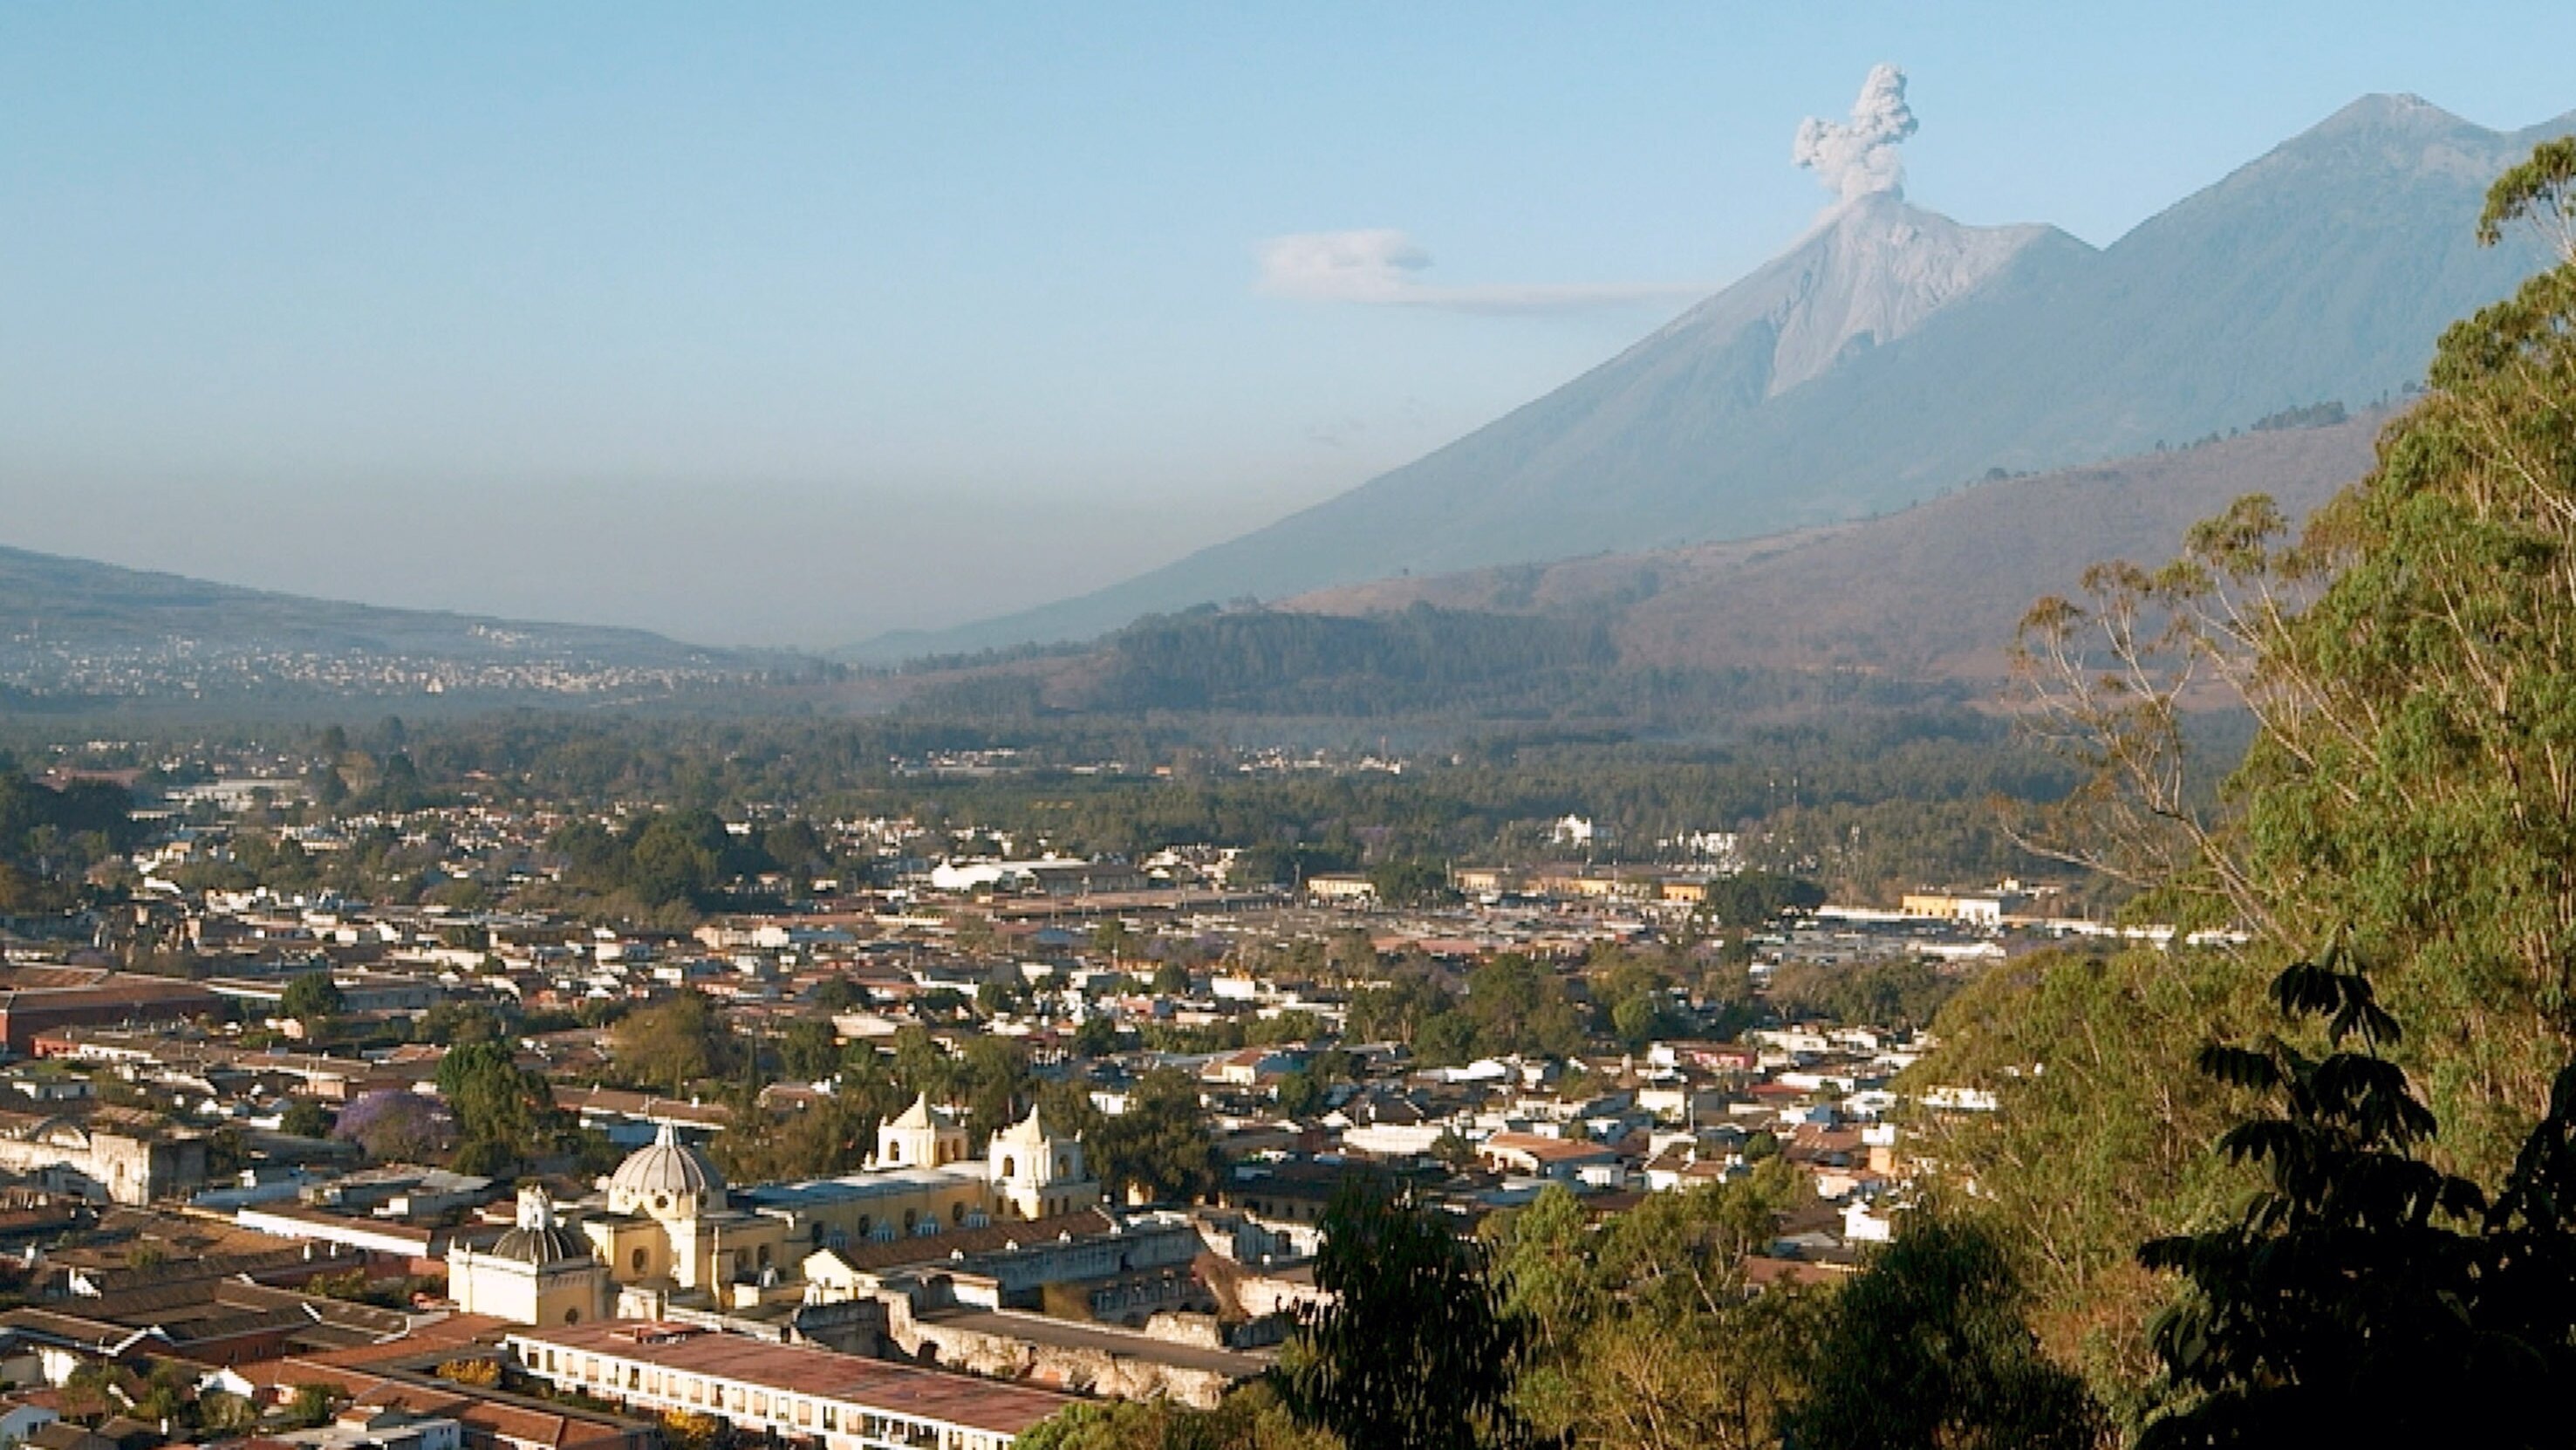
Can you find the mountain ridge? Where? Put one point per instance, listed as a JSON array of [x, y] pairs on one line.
[[1915, 607], [79, 629], [2323, 270]]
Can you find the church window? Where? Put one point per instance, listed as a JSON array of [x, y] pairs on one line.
[[1010, 1166], [894, 1152], [637, 1259], [1063, 1166], [957, 1211]]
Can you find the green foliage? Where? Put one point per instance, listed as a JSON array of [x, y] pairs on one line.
[[1644, 1332], [305, 1118], [1335, 665], [831, 1137], [2101, 1134], [503, 1112], [667, 1046], [2410, 658], [1756, 898], [312, 998], [1905, 993], [1159, 1145], [1417, 1348], [2361, 1275], [2541, 191], [1411, 881], [1250, 1418], [310, 1405], [1928, 1346], [809, 1049]]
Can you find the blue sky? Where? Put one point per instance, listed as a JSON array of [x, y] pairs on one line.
[[791, 324]]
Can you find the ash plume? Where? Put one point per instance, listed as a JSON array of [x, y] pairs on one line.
[[1857, 158]]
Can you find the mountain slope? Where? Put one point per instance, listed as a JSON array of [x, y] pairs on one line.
[[75, 628], [2323, 271], [1915, 607], [1932, 593]]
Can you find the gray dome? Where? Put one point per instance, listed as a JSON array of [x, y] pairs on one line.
[[668, 1166], [543, 1247]]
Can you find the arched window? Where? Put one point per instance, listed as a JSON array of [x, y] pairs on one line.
[[867, 1225], [911, 1219], [957, 1211], [1010, 1166], [572, 1316], [1064, 1165], [637, 1258], [894, 1151], [764, 1256]]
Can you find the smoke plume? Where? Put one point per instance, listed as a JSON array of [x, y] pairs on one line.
[[1858, 157]]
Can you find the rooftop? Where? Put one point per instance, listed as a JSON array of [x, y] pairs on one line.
[[950, 1399]]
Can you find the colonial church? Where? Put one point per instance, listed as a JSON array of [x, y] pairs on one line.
[[665, 1229]]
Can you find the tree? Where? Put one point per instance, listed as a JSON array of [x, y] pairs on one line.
[[690, 1430], [2366, 1297], [394, 1125], [1415, 1349], [1160, 1144], [310, 1405], [1299, 1095], [503, 1112], [1411, 882], [312, 999], [305, 1118], [794, 845], [1928, 1346], [673, 1043], [1645, 1334], [2406, 657], [809, 1049], [2104, 1147], [1249, 1418]]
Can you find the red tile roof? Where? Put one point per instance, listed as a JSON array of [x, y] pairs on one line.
[[821, 1373]]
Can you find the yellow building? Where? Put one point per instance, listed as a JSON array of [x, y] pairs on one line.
[[1037, 1174], [670, 1224], [923, 1181], [540, 1272], [670, 1229], [921, 1136]]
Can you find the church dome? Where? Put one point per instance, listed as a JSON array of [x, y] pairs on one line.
[[539, 1238], [667, 1170], [542, 1247]]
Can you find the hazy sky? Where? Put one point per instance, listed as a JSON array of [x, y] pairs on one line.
[[791, 324]]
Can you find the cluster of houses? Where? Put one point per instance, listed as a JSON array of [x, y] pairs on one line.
[[168, 1233]]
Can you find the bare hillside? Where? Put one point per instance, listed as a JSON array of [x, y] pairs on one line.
[[1933, 592]]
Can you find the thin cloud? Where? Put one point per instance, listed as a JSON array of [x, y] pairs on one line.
[[1382, 267]]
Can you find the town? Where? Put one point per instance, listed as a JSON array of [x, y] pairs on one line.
[[895, 1149]]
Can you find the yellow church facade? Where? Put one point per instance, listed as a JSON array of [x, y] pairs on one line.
[[670, 1228]]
